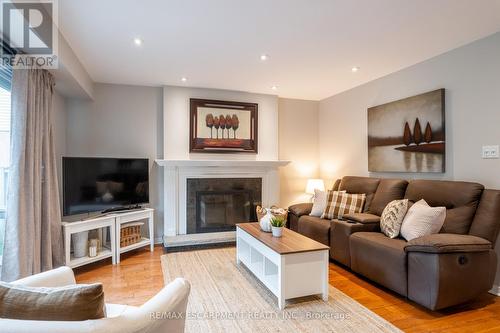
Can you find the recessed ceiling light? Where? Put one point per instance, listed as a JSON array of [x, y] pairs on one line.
[[184, 79], [355, 69], [137, 41], [275, 87], [264, 57]]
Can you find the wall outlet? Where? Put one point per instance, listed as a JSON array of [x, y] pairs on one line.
[[490, 152]]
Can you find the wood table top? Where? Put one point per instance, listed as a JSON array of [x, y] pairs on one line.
[[290, 242]]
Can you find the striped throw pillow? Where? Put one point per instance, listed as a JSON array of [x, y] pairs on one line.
[[341, 203]]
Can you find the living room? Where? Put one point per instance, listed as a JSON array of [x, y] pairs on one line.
[[326, 166]]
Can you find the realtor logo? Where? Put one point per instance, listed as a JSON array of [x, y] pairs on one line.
[[29, 28]]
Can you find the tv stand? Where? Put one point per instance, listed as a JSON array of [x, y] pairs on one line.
[[109, 248], [120, 209]]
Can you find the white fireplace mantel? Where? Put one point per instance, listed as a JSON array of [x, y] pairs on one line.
[[221, 163], [176, 173]]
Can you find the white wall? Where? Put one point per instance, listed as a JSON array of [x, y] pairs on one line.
[[129, 121], [176, 122], [72, 80], [298, 143], [121, 121], [471, 77]]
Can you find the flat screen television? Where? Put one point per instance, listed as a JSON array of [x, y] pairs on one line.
[[98, 184]]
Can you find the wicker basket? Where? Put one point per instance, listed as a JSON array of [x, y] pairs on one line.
[[130, 234], [276, 211]]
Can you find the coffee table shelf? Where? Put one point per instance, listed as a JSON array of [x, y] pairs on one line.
[[291, 266]]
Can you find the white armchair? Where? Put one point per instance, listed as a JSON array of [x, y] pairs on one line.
[[165, 312]]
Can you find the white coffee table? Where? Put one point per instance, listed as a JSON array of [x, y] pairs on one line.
[[290, 266]]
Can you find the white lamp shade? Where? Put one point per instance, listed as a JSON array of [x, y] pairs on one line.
[[315, 184]]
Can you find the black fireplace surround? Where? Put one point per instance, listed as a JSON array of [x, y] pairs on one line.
[[217, 204]]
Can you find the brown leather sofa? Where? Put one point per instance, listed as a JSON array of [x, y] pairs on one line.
[[436, 271]]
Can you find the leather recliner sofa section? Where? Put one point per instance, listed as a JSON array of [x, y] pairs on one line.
[[436, 271]]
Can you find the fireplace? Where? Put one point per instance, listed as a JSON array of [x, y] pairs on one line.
[[233, 183], [217, 204]]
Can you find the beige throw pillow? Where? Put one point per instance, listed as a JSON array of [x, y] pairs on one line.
[[69, 303], [422, 220], [392, 217], [339, 204], [319, 203]]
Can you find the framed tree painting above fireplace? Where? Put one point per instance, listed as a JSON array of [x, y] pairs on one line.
[[223, 126], [408, 135]]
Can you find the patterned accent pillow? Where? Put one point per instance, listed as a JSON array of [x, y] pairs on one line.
[[339, 204], [392, 217], [319, 203]]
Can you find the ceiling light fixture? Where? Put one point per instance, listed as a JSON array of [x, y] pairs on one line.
[[355, 69], [137, 41], [275, 87], [264, 57], [184, 79]]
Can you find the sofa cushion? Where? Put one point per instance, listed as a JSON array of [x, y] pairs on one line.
[[366, 185], [315, 228], [69, 303], [460, 199], [380, 258], [387, 191], [340, 203]]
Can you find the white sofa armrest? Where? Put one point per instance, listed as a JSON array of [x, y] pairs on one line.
[[59, 277], [165, 312]]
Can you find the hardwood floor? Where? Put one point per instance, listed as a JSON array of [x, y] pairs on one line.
[[483, 315], [138, 277]]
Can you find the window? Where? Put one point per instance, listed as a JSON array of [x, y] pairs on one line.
[[5, 117], [4, 157]]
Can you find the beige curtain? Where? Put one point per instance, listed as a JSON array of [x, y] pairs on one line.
[[33, 237]]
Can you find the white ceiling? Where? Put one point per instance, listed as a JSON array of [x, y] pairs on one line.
[[312, 44]]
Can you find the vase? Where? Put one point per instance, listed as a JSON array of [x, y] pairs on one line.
[[277, 231], [265, 221], [80, 241]]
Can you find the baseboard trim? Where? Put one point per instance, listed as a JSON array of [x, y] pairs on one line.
[[495, 290]]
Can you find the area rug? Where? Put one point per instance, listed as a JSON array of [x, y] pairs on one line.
[[226, 297]]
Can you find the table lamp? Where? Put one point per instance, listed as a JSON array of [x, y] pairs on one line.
[[314, 184]]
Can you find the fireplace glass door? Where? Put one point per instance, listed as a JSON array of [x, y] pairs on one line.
[[216, 205]]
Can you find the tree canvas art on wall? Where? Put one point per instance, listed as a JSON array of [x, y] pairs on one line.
[[408, 135], [222, 126]]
